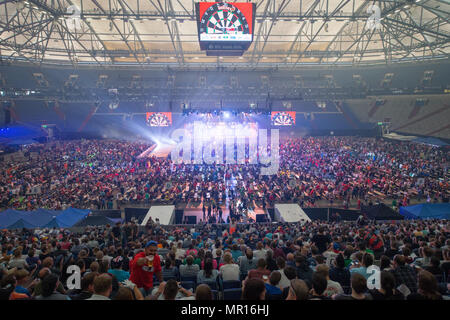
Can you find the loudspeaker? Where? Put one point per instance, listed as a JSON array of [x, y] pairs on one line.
[[178, 216], [261, 218], [271, 212], [7, 116], [192, 219]]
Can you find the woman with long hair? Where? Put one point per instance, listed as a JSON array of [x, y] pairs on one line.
[[208, 274], [428, 287]]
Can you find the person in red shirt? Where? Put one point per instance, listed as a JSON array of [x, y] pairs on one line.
[[144, 265]]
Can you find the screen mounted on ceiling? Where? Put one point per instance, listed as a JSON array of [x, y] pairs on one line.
[[230, 24]]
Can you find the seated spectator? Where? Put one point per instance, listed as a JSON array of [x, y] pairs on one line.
[[284, 282], [333, 287], [116, 269], [260, 271], [425, 260], [170, 271], [393, 250], [17, 261], [126, 293], [230, 270], [254, 289], [23, 282], [339, 272], [203, 292], [298, 290], [87, 287], [385, 263], [387, 290], [7, 290], [260, 252], [189, 269], [428, 288], [49, 285], [272, 286], [319, 285], [304, 272], [247, 262], [404, 274], [32, 260], [209, 255], [291, 274], [434, 267], [270, 261], [367, 261], [331, 253], [359, 289], [236, 252], [170, 290], [102, 287], [208, 274]]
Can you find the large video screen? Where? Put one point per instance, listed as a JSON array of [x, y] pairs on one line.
[[223, 22], [283, 118], [159, 119]]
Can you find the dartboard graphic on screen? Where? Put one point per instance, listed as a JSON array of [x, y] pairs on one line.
[[159, 119], [283, 118], [224, 21]]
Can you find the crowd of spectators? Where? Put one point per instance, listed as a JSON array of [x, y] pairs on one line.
[[106, 174], [296, 261]]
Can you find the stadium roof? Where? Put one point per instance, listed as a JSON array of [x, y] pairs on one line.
[[288, 34]]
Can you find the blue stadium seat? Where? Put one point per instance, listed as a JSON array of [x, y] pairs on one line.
[[232, 294], [188, 285], [211, 284], [231, 284]]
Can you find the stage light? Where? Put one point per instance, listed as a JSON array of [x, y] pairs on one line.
[[226, 115]]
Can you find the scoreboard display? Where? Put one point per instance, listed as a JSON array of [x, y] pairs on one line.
[[283, 118], [225, 26], [159, 119]]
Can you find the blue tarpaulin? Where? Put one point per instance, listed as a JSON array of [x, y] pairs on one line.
[[20, 224], [41, 218], [9, 217], [71, 216], [426, 211]]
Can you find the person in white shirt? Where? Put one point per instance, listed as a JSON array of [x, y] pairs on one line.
[[102, 287], [230, 270], [284, 281], [333, 287], [260, 252], [180, 253]]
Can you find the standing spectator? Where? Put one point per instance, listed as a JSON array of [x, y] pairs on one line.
[[321, 240], [143, 266]]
